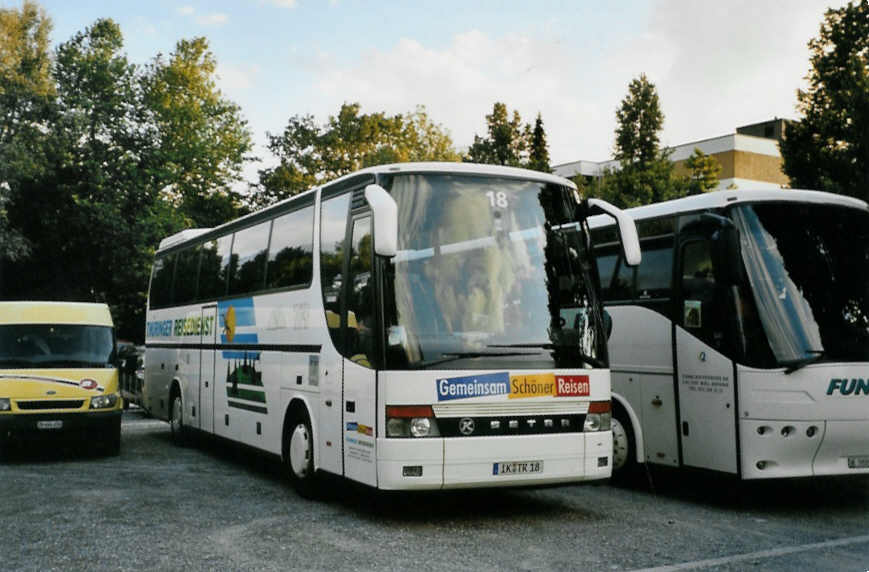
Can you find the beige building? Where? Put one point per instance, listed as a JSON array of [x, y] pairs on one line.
[[749, 158]]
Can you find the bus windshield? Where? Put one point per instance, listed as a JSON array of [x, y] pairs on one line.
[[491, 272], [56, 345], [808, 266]]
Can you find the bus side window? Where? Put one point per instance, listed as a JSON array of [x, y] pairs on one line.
[[360, 305], [161, 281], [700, 302], [333, 230], [186, 275], [249, 251], [655, 272], [213, 268], [291, 261]]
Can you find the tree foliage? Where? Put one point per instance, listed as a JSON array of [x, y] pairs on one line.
[[26, 93], [538, 157], [310, 154], [703, 172], [639, 119], [828, 149], [100, 159], [507, 141], [202, 137], [645, 173]]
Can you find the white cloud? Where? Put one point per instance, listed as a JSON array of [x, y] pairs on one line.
[[185, 10], [459, 85], [716, 66], [233, 77], [212, 19], [284, 3]]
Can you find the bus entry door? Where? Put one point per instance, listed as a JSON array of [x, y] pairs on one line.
[[705, 374], [207, 336], [360, 379]]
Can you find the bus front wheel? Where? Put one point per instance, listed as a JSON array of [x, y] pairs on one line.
[[299, 456], [624, 450]]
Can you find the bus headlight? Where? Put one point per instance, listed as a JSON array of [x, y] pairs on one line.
[[104, 401], [5, 404], [599, 417], [411, 421]]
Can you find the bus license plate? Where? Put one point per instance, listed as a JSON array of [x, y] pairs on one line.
[[53, 424], [517, 468], [859, 462]]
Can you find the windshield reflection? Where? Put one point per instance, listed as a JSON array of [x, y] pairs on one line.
[[485, 272]]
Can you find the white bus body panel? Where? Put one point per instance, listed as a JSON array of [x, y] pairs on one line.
[[641, 360], [801, 424]]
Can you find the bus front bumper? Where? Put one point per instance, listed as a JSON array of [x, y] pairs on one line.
[[466, 462]]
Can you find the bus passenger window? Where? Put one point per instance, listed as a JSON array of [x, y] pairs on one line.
[[360, 305], [186, 275], [249, 259], [291, 261], [213, 268], [161, 281]]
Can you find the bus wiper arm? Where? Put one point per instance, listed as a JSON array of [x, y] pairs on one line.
[[454, 356], [595, 362], [798, 364]]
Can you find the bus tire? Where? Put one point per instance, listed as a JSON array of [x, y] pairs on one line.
[[299, 454], [176, 419], [624, 447]]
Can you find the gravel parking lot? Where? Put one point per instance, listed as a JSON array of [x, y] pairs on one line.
[[215, 506]]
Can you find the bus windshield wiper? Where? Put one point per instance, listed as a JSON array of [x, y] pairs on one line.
[[798, 364], [447, 357], [595, 362]]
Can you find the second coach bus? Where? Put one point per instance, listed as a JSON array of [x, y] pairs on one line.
[[413, 326], [741, 342]]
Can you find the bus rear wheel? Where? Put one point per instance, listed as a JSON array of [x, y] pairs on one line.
[[299, 456], [176, 420]]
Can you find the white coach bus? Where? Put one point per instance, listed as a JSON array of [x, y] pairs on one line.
[[413, 326], [741, 342]]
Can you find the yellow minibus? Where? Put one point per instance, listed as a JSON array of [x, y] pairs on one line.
[[58, 374]]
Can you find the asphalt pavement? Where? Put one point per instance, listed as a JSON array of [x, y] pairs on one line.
[[215, 506]]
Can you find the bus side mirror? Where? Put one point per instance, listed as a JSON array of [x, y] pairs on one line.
[[627, 229], [385, 212]]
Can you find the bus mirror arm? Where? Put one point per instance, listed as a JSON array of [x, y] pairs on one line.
[[385, 212], [626, 225]]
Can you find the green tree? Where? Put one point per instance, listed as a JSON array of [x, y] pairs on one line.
[[538, 157], [202, 138], [703, 172], [507, 142], [26, 97], [639, 119], [645, 174], [828, 149], [310, 154]]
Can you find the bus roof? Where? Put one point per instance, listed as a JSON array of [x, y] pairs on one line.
[[389, 169], [719, 199], [55, 313]]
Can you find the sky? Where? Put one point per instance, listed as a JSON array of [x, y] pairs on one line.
[[716, 65]]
